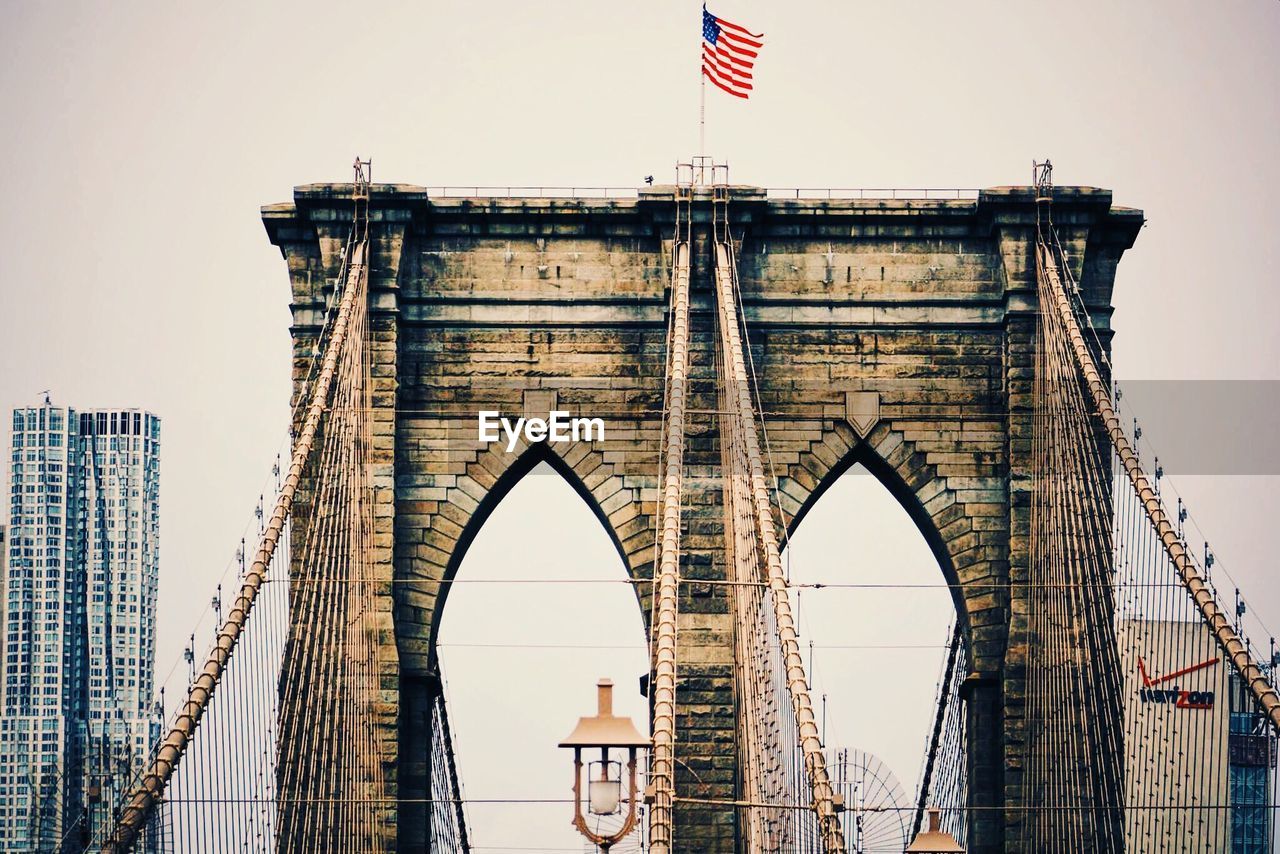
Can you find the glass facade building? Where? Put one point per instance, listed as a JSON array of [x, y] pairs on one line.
[[78, 621], [1253, 763]]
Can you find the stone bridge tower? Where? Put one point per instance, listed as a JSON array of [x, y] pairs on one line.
[[893, 333]]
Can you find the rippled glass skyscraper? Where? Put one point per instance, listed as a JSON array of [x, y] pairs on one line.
[[79, 620]]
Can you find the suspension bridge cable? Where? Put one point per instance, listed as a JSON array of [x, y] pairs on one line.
[[662, 763], [743, 423], [1213, 614], [137, 812]]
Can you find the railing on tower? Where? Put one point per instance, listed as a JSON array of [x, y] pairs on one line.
[[700, 172]]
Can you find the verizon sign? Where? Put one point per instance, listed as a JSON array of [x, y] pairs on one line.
[[1175, 710], [1165, 689]]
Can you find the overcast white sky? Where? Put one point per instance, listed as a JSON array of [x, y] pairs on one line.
[[140, 139]]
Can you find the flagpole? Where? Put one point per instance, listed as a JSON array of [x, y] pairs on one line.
[[702, 114], [702, 88]]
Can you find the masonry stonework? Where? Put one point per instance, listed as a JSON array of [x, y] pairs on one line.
[[921, 311]]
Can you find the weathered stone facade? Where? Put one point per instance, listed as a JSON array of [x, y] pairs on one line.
[[527, 304]]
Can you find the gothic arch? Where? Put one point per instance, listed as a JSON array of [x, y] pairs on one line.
[[432, 542], [618, 505], [964, 519], [964, 545]]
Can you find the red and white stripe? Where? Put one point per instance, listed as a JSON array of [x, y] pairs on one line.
[[729, 63]]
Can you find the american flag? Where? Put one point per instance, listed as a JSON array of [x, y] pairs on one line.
[[728, 54]]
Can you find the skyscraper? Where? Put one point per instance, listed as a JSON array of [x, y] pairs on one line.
[[79, 621]]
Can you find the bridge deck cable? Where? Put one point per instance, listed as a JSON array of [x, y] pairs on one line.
[[328, 740]]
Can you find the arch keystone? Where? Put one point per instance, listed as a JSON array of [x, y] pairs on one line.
[[862, 411]]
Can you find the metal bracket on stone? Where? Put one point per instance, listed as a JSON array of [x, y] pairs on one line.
[[862, 411]]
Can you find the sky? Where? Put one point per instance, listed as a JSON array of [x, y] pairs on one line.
[[141, 139]]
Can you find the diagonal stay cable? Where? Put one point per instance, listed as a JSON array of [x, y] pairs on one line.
[[136, 813], [1254, 678], [797, 683]]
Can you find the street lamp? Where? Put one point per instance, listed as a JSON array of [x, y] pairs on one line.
[[604, 778], [935, 840]]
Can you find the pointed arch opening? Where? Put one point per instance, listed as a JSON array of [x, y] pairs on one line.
[[539, 605], [879, 629], [864, 460], [537, 459]]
